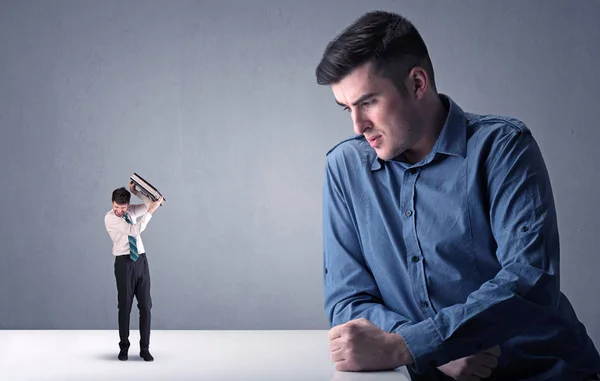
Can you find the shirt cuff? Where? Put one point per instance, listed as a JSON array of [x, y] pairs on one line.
[[423, 342]]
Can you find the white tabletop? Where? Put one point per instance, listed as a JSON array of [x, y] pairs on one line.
[[179, 355]]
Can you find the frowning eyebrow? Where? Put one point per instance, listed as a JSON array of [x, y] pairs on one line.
[[359, 100]]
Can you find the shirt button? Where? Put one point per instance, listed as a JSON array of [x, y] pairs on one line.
[[408, 213], [413, 171], [415, 259], [424, 303], [524, 228]]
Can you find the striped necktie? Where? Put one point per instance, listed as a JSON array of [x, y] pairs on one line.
[[133, 253]]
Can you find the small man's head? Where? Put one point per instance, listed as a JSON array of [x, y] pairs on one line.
[[120, 201], [380, 72]]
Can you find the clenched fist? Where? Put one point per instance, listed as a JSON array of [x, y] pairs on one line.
[[359, 345]]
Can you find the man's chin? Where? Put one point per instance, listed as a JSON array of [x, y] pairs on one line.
[[390, 155], [383, 154]]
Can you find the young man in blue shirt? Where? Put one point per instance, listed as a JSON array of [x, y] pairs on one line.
[[441, 248]]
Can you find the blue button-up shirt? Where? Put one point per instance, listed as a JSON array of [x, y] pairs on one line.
[[456, 253]]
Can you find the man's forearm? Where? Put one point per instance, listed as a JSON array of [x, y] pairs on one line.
[[501, 309]]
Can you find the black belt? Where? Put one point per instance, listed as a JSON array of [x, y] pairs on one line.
[[127, 255]]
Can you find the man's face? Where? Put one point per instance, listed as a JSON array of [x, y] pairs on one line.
[[387, 118], [119, 209]]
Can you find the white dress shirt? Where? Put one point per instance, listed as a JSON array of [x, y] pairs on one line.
[[119, 229]]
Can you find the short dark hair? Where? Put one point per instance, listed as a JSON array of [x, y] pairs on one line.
[[121, 196], [387, 39]]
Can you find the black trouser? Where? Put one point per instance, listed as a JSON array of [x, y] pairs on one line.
[[133, 278]]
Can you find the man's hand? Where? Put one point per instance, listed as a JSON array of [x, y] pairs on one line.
[[154, 205], [359, 345], [132, 188], [473, 368]]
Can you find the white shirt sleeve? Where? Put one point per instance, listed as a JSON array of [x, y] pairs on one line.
[[136, 210], [115, 224]]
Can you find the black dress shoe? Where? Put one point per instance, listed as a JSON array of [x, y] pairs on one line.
[[123, 355], [145, 354]]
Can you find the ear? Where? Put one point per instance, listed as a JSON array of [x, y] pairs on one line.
[[418, 82]]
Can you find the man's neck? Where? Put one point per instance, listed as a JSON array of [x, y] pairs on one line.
[[433, 124]]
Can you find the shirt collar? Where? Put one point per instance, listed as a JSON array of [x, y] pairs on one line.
[[453, 138]]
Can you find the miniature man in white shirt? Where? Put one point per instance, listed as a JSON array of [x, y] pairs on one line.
[[131, 265]]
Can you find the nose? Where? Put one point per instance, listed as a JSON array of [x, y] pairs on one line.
[[361, 123]]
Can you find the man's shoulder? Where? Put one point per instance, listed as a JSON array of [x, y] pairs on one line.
[[494, 124], [355, 145], [109, 219], [353, 153], [491, 136]]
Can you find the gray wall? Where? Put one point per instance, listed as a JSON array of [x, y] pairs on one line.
[[215, 102]]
